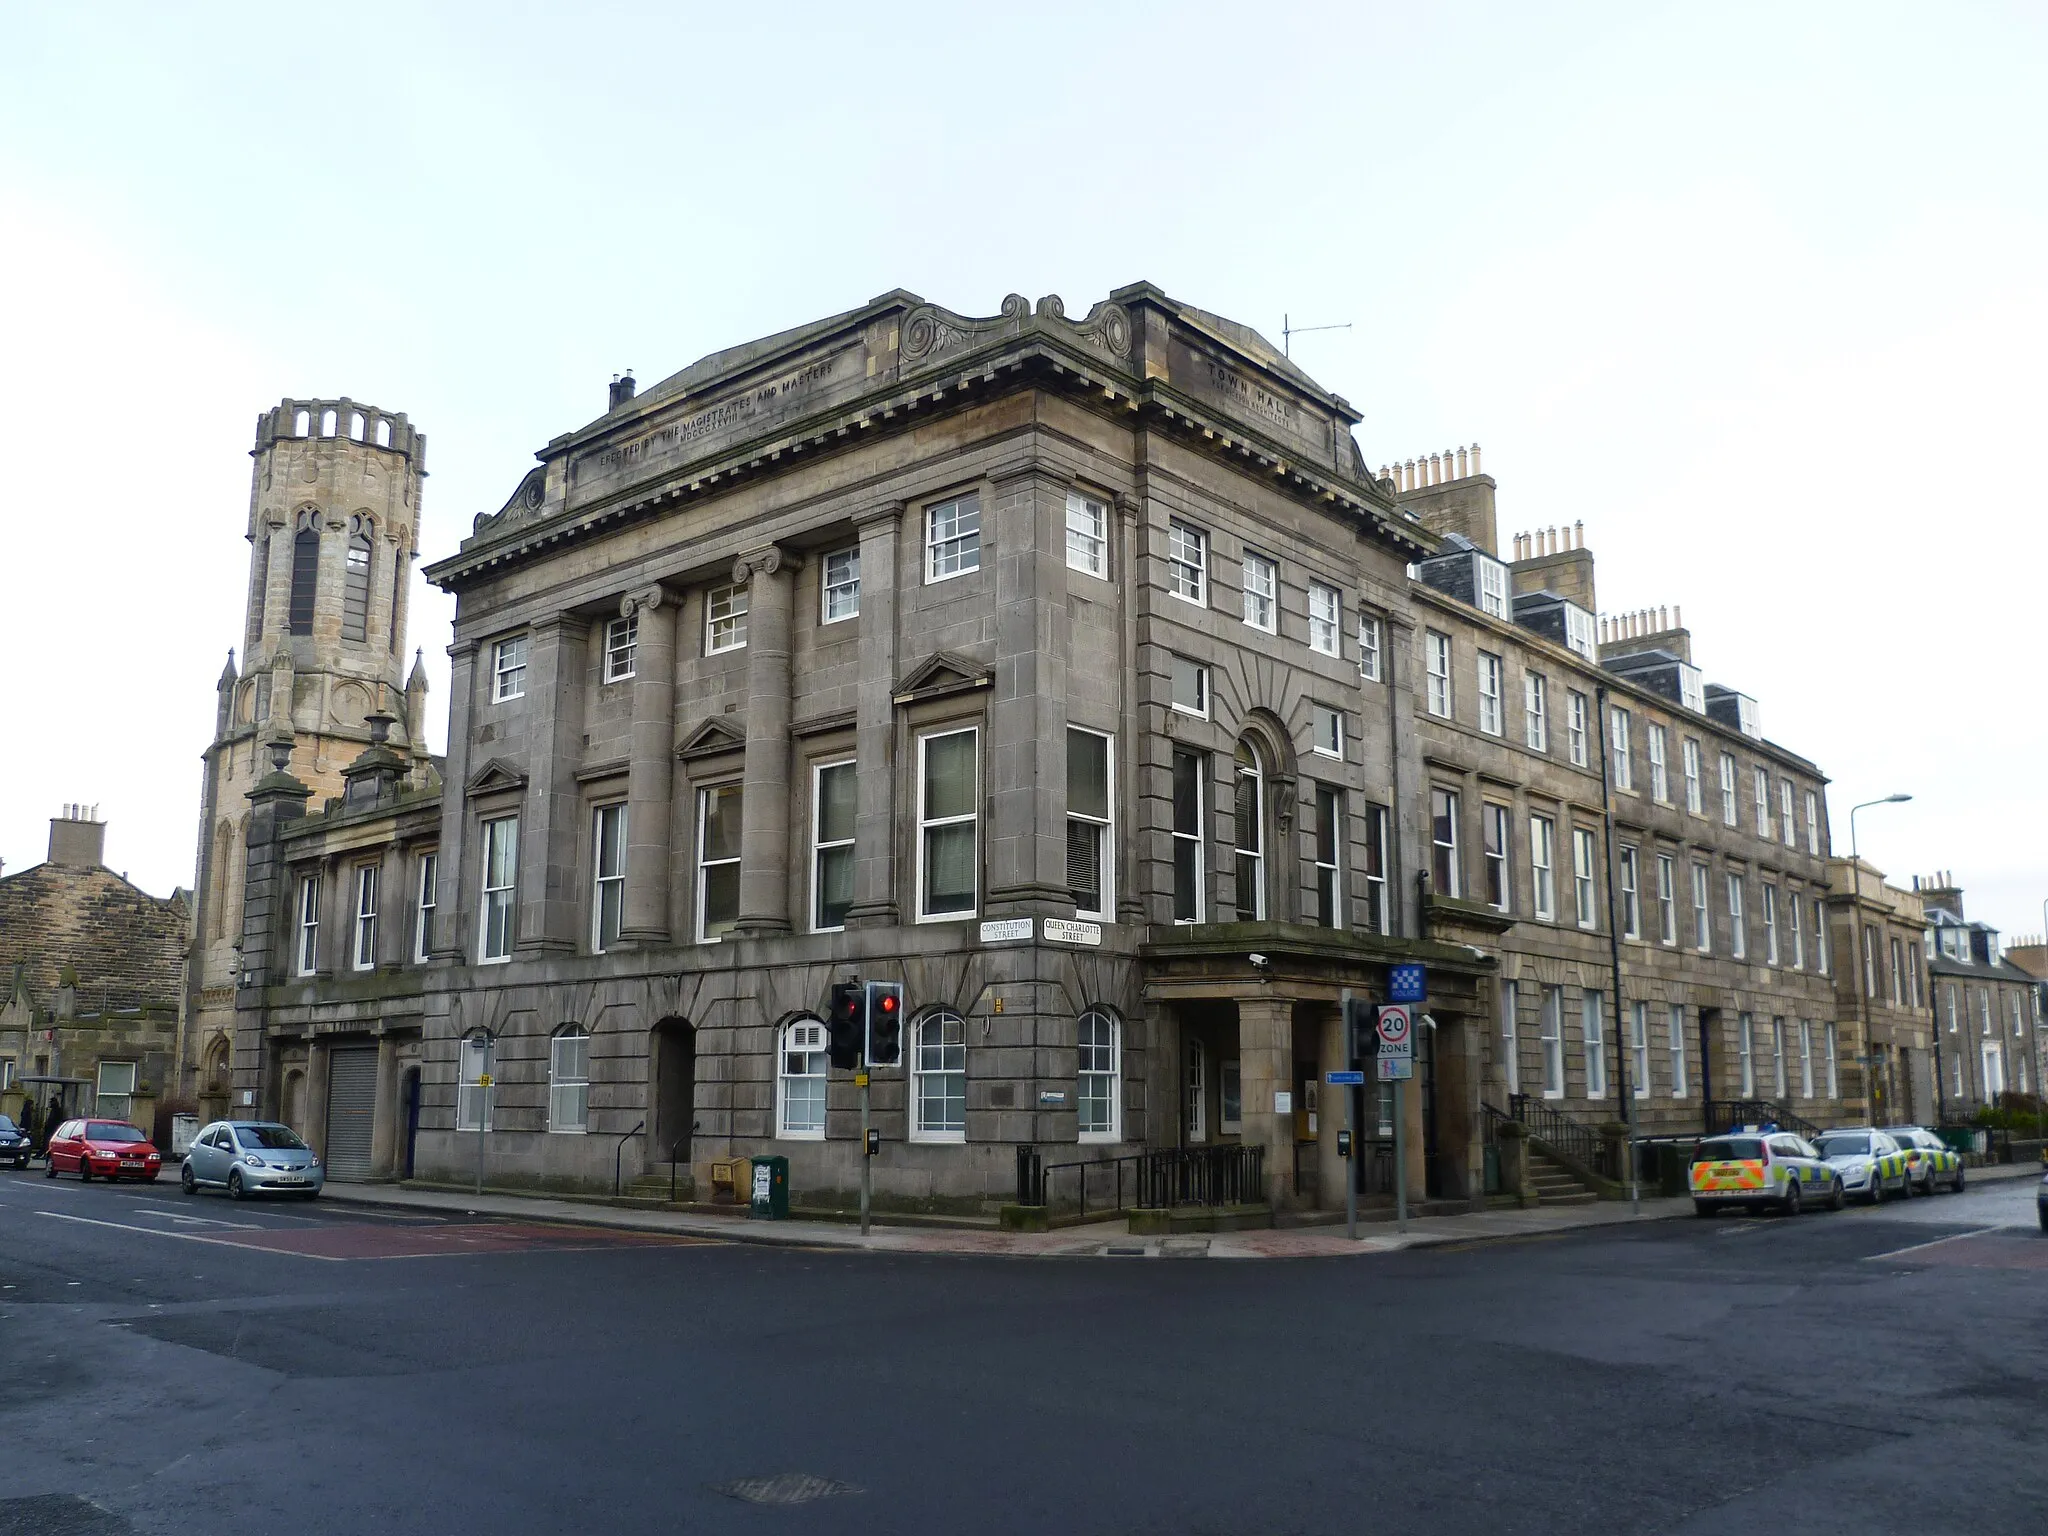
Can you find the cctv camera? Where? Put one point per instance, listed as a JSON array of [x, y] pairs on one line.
[[1258, 960]]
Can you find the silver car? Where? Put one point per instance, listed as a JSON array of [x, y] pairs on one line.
[[251, 1157]]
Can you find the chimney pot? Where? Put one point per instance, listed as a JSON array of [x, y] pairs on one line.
[[622, 389]]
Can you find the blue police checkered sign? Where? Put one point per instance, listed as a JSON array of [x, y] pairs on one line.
[[1406, 984]]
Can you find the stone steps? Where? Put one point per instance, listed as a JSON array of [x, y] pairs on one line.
[[1554, 1185]]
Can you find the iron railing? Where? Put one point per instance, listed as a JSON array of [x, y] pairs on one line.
[[1225, 1175], [1559, 1131], [1723, 1114]]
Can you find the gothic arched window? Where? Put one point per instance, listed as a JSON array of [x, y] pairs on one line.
[[305, 572], [355, 589]]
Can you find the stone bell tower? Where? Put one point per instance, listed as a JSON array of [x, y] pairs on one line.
[[333, 530]]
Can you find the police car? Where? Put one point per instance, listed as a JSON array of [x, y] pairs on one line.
[[1870, 1163], [1929, 1159], [1757, 1167]]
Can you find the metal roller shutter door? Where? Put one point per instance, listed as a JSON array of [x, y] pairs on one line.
[[351, 1111]]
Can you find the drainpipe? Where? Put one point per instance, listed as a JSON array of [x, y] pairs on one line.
[[1622, 1060], [1390, 654]]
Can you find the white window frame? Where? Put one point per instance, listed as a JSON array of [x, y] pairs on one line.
[[363, 931], [1579, 632], [1770, 923], [1187, 562], [1681, 1078], [1667, 900], [1585, 888], [1490, 586], [1543, 866], [1550, 1036], [1104, 825], [1660, 771], [1761, 783], [1327, 743], [1813, 824], [1820, 937], [1087, 535], [607, 872], [1535, 712], [1492, 711], [1738, 921], [1095, 1083], [950, 547], [1630, 861], [801, 1042], [1497, 824], [1250, 854], [1745, 1052], [1378, 917], [822, 845], [1639, 1049], [1624, 764], [725, 619], [497, 833], [1694, 803], [1194, 1092], [1197, 839], [1781, 1082], [1788, 827], [110, 1099], [701, 881], [425, 907], [1436, 660], [1446, 851], [1369, 647], [1593, 1040], [1806, 1058], [473, 1101], [569, 1091], [1575, 728], [1727, 789], [1702, 909], [1834, 1078], [1176, 662], [924, 1127], [1329, 872], [926, 825], [307, 956], [1510, 1036], [839, 591], [508, 669], [1261, 592], [1325, 619], [621, 648]]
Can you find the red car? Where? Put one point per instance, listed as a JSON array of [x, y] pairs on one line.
[[107, 1149]]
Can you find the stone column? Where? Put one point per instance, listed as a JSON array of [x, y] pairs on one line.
[[1024, 776], [316, 1097], [550, 824], [1265, 1054], [452, 924], [650, 771], [384, 1117], [769, 577], [874, 822]]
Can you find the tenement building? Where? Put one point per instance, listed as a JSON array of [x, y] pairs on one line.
[[1075, 673], [1878, 930], [1986, 1023]]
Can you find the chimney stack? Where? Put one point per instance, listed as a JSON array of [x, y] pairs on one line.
[[623, 386], [78, 838]]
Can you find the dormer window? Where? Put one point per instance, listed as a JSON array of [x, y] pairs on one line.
[[1692, 688], [1491, 584], [1579, 632]]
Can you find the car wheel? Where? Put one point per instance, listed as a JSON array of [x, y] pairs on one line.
[[84, 1171], [1957, 1187], [1703, 1207], [50, 1168], [1789, 1201], [1837, 1196], [2043, 1209], [235, 1190], [186, 1182]]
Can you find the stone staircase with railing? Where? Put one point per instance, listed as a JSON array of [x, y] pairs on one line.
[[1554, 1184]]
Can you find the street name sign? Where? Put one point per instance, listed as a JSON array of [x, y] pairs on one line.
[[1344, 1079]]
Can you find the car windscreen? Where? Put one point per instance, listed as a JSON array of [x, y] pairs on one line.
[[1730, 1149], [1845, 1146], [277, 1138], [7, 1126], [109, 1130]]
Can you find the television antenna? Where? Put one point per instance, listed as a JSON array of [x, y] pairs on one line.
[[1288, 331]]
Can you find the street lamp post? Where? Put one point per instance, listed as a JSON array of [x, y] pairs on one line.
[[1866, 978]]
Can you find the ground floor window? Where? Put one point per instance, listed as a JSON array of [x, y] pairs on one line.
[[1551, 1029], [1594, 1032], [801, 1081], [116, 1088], [1100, 1071], [473, 1096], [1229, 1097], [1195, 1094], [569, 1080], [940, 1070]]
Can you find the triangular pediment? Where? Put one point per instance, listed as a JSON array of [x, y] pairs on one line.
[[941, 674], [718, 734], [495, 775]]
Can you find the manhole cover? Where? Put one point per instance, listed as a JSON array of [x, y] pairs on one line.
[[783, 1488]]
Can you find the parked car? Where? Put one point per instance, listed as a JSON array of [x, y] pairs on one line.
[[1929, 1159], [251, 1157], [106, 1149], [1870, 1163], [14, 1144], [1761, 1168], [2041, 1199]]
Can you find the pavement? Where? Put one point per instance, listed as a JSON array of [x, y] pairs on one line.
[[1105, 1238]]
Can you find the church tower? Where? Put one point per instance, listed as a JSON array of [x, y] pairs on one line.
[[333, 530]]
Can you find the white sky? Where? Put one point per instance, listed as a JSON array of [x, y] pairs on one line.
[[1758, 292]]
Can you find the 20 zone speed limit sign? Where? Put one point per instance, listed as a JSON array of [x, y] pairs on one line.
[[1395, 1030]]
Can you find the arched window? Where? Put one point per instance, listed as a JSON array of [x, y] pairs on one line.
[[305, 572], [800, 1081], [355, 587], [939, 1078], [302, 423], [569, 1081], [355, 425], [1099, 1097], [327, 423], [1251, 835], [383, 434]]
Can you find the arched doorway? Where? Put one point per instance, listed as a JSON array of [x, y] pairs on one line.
[[672, 1075]]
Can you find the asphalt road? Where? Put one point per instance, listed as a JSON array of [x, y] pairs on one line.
[[195, 1365]]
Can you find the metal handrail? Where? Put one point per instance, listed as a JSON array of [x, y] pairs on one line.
[[1548, 1124], [1721, 1114], [1222, 1175]]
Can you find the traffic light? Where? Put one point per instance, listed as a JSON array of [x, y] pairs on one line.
[[1361, 1037], [884, 1013], [843, 1025]]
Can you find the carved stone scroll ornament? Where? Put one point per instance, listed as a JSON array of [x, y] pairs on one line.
[[646, 598], [760, 562], [929, 330]]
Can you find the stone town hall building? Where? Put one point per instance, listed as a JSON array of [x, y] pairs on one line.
[[1078, 674]]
